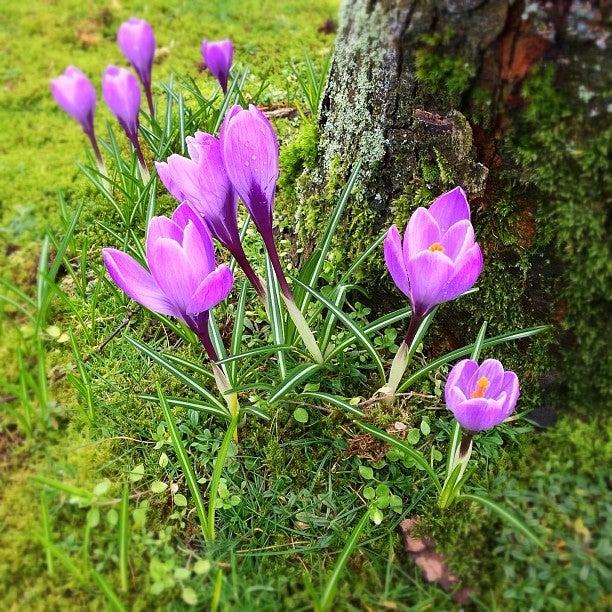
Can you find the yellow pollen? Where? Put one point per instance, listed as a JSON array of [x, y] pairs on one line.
[[481, 387], [436, 246]]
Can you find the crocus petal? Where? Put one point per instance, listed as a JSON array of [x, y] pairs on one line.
[[75, 94], [459, 377], [136, 40], [172, 271], [179, 176], [218, 56], [216, 201], [421, 232], [493, 371], [394, 258], [212, 290], [458, 239], [122, 95], [466, 272], [136, 282], [230, 113], [250, 154], [479, 413], [428, 274], [449, 208], [162, 227], [199, 250], [510, 385]]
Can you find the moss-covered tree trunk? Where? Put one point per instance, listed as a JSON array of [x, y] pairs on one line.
[[507, 99]]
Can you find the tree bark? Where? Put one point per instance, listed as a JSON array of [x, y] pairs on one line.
[[508, 99]]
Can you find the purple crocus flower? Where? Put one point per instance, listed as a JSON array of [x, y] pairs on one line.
[[203, 183], [122, 95], [482, 396], [438, 259], [75, 94], [137, 42], [183, 280], [217, 56], [250, 154]]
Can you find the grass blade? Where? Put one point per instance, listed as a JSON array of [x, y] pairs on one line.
[[357, 332], [183, 459], [510, 518], [238, 330], [276, 315], [217, 471], [327, 598], [334, 400], [124, 537], [178, 374], [299, 374]]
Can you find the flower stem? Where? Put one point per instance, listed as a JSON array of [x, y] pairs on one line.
[[403, 355], [456, 468], [223, 384], [241, 259], [294, 312], [146, 84]]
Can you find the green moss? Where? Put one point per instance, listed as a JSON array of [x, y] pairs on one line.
[[440, 72]]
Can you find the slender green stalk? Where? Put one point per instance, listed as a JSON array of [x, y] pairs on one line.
[[327, 598], [217, 470], [46, 529], [216, 598], [183, 459], [124, 537]]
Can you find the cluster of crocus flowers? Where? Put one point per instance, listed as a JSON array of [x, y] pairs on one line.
[[242, 162], [436, 262], [217, 57], [182, 279]]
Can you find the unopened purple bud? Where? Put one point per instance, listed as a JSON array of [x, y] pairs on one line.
[[74, 93], [250, 154], [482, 396], [136, 40], [438, 259], [122, 95], [217, 56]]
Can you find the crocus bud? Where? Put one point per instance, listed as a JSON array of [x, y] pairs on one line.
[[74, 93], [217, 57], [482, 396], [203, 183], [250, 155], [438, 259], [122, 95], [183, 280], [137, 42]]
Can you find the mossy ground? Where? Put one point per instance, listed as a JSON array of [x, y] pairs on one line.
[[298, 484]]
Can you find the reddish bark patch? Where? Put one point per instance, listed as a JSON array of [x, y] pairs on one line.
[[432, 564]]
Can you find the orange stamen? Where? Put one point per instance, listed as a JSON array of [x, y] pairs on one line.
[[481, 386], [436, 246]]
